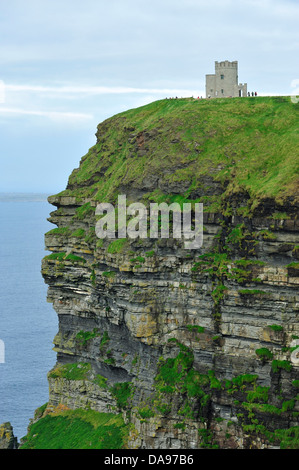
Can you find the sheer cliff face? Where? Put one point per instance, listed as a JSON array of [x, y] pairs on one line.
[[196, 347]]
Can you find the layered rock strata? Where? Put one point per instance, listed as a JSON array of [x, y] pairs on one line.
[[197, 348]]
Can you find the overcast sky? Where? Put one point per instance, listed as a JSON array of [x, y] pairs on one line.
[[67, 65]]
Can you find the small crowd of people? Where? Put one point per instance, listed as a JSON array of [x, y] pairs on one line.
[[176, 98], [253, 93]]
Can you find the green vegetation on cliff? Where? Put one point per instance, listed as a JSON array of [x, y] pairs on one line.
[[76, 429], [247, 146]]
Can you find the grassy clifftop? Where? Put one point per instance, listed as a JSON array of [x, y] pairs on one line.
[[188, 149]]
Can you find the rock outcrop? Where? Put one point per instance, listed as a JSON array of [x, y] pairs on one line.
[[197, 348], [7, 438]]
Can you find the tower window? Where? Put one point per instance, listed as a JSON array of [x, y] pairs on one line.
[[222, 91], [222, 77]]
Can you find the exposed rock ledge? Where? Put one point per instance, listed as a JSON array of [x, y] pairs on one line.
[[196, 348], [7, 438]]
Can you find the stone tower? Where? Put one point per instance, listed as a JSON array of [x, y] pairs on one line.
[[224, 83]]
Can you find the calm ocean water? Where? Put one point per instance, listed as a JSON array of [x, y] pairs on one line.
[[28, 323]]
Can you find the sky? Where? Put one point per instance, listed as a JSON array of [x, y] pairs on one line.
[[67, 65]]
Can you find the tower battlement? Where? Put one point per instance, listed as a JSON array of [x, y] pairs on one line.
[[224, 83], [226, 63]]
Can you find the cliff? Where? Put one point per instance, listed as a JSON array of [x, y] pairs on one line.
[[7, 438], [185, 348]]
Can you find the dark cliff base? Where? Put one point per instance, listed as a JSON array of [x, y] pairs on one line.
[[184, 348]]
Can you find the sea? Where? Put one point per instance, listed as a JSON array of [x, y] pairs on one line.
[[28, 323]]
